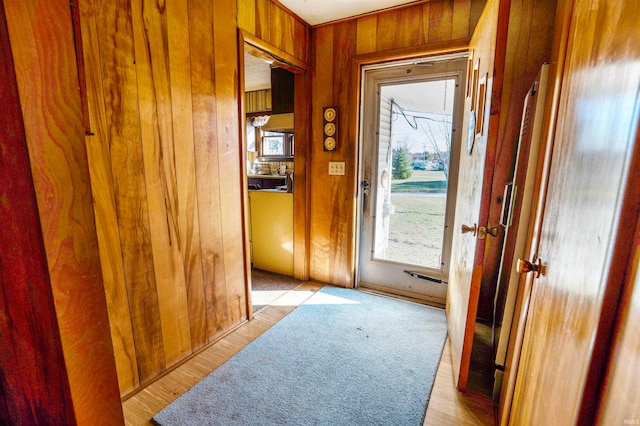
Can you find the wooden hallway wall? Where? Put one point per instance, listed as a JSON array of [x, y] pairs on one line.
[[272, 23], [428, 27], [165, 163]]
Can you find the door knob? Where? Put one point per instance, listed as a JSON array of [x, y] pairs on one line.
[[467, 228], [524, 266]]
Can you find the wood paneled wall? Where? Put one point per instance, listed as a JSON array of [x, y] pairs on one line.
[[272, 23], [164, 111], [338, 49], [165, 162], [42, 44], [425, 23]]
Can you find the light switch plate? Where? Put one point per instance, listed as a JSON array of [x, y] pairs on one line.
[[336, 168]]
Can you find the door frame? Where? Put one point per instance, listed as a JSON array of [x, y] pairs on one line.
[[302, 132], [396, 62]]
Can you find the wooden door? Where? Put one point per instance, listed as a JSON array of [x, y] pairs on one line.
[[516, 218], [34, 386], [583, 240], [472, 205]]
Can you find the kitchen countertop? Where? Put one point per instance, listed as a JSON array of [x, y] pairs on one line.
[[267, 176], [282, 191]]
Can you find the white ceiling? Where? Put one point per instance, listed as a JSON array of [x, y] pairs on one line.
[[257, 73], [316, 12]]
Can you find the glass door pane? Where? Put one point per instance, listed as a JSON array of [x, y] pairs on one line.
[[414, 152]]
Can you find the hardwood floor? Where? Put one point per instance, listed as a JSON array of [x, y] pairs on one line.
[[446, 406], [482, 366]]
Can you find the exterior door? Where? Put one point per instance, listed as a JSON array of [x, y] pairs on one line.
[[410, 144], [588, 221]]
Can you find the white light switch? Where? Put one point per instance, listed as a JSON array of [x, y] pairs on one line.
[[336, 168]]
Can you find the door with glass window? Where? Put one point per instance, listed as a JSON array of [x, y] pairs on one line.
[[410, 144]]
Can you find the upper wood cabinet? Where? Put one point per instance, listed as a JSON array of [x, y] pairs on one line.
[[258, 101], [281, 91]]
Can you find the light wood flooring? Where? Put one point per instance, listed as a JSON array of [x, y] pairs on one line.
[[446, 406]]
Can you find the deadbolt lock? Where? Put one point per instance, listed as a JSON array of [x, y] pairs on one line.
[[483, 231]]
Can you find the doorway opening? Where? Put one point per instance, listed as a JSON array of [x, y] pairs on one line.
[[411, 113], [273, 150]]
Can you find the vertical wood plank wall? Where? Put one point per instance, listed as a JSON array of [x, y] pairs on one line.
[[272, 23], [165, 169], [416, 29], [42, 44]]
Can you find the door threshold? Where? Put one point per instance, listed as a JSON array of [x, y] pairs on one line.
[[404, 295]]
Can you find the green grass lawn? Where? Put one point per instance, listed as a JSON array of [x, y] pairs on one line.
[[425, 181], [416, 229]]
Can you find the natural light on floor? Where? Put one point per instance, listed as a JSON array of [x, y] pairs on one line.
[[266, 297], [326, 299], [296, 298]]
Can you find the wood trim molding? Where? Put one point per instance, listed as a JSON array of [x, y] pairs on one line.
[[288, 61], [244, 199], [433, 49]]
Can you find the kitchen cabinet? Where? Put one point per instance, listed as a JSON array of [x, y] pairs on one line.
[[271, 216], [281, 91]]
